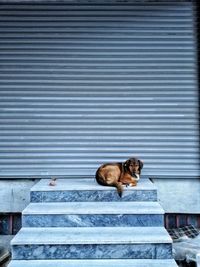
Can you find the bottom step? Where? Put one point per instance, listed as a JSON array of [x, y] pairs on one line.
[[93, 263]]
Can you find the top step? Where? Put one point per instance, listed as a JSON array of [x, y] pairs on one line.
[[78, 190]]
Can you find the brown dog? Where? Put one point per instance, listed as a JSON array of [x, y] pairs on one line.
[[118, 174]]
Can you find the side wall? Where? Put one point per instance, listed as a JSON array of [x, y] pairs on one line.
[[179, 195], [14, 195]]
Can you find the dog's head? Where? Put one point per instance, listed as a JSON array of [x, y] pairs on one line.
[[134, 167]]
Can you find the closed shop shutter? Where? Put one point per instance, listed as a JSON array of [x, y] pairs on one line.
[[87, 83]]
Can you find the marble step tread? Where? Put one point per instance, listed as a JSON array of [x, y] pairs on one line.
[[91, 235], [94, 263], [93, 208], [86, 184]]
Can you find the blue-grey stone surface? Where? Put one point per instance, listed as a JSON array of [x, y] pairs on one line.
[[91, 235], [93, 251], [89, 190], [105, 195], [94, 208], [89, 214], [95, 263], [91, 220], [81, 220]]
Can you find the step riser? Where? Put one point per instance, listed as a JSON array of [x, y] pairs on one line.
[[92, 220], [109, 251], [92, 195]]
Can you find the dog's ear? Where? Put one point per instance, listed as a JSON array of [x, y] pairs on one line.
[[126, 164], [141, 164]]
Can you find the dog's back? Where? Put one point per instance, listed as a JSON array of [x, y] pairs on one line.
[[109, 175]]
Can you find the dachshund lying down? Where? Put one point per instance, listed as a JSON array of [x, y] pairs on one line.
[[119, 174]]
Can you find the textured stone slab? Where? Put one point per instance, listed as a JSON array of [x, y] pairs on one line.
[[94, 251], [92, 220], [92, 243], [94, 263], [88, 190], [94, 208], [89, 214], [91, 235]]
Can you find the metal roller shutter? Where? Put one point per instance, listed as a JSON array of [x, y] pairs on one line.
[[83, 84]]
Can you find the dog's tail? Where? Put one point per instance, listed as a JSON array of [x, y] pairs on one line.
[[101, 180]]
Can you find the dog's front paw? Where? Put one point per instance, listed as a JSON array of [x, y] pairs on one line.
[[133, 183], [52, 182]]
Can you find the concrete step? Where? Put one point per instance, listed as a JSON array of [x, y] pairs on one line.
[[94, 263], [92, 243], [88, 190], [90, 214]]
